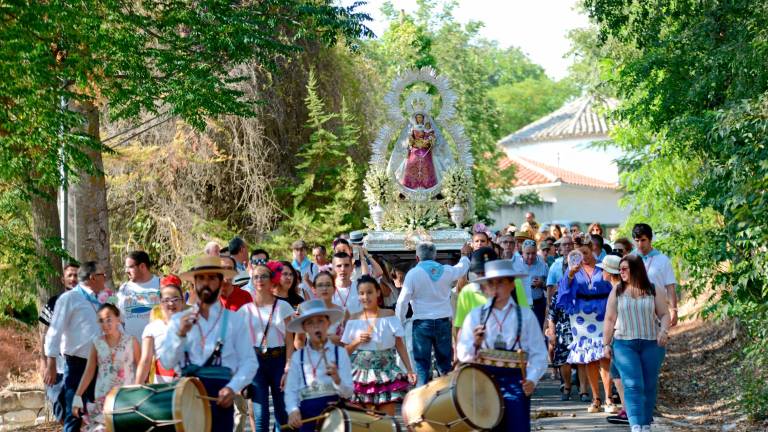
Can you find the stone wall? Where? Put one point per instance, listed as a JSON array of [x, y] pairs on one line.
[[22, 407]]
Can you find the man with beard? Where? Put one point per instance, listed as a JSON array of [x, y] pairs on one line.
[[211, 342]]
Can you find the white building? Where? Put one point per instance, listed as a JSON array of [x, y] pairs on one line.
[[556, 157]]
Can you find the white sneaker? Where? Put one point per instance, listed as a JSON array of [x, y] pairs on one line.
[[637, 428], [646, 428]]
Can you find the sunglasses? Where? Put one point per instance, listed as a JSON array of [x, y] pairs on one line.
[[258, 261]]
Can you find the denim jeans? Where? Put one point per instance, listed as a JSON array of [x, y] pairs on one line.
[[517, 406], [428, 334], [267, 380], [638, 362], [72, 375]]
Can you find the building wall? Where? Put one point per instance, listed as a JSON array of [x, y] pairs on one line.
[[573, 155], [569, 202]]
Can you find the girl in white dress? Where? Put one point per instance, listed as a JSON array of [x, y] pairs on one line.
[[371, 338], [116, 355]]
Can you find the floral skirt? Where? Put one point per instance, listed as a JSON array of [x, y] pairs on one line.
[[587, 345], [377, 378], [563, 339]]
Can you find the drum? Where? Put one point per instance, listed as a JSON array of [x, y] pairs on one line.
[[465, 400], [501, 358], [178, 406], [348, 420]]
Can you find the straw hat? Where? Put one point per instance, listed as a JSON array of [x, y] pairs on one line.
[[312, 308], [503, 268], [206, 264], [610, 264]]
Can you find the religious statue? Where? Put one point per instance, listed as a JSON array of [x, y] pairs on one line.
[[421, 154]]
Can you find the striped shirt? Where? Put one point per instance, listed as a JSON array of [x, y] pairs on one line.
[[637, 318]]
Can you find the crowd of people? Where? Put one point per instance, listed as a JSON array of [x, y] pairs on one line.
[[299, 334]]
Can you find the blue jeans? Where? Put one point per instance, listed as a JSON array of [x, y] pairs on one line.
[[267, 380], [428, 334], [638, 362], [517, 406], [72, 375]]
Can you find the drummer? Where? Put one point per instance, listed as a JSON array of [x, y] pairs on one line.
[[501, 324], [320, 373], [211, 342]]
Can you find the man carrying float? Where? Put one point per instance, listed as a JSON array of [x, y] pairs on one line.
[[507, 342]]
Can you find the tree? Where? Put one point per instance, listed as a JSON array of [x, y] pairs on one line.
[[694, 86], [167, 59], [527, 100], [328, 189]]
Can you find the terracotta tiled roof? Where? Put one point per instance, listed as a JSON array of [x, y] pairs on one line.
[[576, 119], [530, 172]]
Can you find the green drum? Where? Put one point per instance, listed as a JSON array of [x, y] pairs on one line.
[[178, 406]]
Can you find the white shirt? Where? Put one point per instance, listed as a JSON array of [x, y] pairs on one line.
[[383, 330], [531, 337], [429, 300], [295, 381], [157, 330], [236, 354], [74, 325], [136, 301], [659, 269], [347, 298], [256, 320]]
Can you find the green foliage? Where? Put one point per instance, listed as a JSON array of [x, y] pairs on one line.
[[531, 198], [523, 102], [329, 181], [695, 89]]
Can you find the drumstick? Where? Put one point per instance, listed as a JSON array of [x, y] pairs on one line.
[[208, 398], [319, 334], [307, 420], [485, 321]]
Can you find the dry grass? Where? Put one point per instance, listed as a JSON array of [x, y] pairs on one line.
[[19, 353]]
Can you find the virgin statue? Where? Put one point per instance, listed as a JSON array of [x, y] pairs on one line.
[[419, 158]]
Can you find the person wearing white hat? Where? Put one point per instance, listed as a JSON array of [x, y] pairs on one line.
[[211, 342], [320, 373], [501, 324]]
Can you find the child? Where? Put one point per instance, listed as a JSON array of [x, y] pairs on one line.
[[320, 373], [324, 289], [371, 337], [116, 355]]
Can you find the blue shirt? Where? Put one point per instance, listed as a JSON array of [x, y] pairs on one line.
[[582, 294], [537, 269], [556, 271]]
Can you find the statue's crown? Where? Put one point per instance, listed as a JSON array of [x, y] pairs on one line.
[[418, 105]]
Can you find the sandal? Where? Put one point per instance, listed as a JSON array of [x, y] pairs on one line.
[[584, 397], [565, 394], [595, 407]]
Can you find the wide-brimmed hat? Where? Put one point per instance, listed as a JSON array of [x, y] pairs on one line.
[[206, 264], [312, 308], [503, 268], [610, 264], [241, 279], [356, 237], [523, 235]]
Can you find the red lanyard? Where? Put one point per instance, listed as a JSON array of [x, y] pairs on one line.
[[204, 336], [500, 323], [315, 366], [344, 303]]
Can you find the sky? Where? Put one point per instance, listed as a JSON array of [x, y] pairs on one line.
[[538, 27]]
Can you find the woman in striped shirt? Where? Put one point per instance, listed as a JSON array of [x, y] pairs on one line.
[[640, 317]]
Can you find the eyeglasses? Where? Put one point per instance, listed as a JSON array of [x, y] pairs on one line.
[[100, 274], [171, 300], [262, 277], [623, 269], [324, 285]]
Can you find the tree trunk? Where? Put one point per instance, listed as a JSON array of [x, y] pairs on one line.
[[46, 230], [89, 223]]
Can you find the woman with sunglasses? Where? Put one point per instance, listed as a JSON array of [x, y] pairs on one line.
[[171, 301], [636, 322]]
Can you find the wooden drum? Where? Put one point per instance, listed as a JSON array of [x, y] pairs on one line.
[[339, 419], [176, 406], [466, 399]]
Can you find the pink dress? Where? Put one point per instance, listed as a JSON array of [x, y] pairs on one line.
[[419, 168], [116, 369]]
